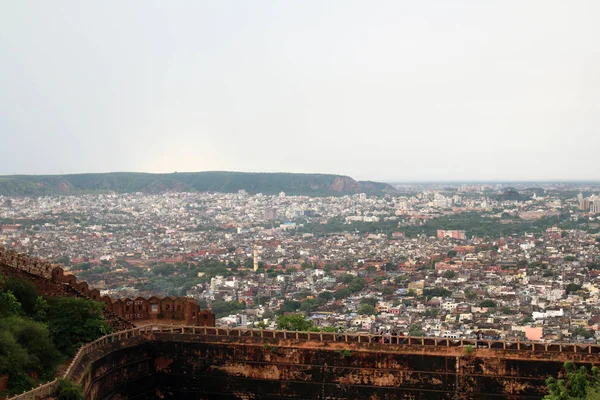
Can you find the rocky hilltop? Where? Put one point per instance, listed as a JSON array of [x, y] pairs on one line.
[[213, 181]]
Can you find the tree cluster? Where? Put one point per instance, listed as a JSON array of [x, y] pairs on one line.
[[37, 333]]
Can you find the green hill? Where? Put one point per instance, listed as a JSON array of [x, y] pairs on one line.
[[213, 181]]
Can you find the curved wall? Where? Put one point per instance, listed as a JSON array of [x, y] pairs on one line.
[[192, 366]]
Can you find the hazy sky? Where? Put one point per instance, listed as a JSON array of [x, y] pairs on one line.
[[384, 90]]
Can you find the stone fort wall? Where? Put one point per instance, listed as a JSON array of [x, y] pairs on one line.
[[139, 309]]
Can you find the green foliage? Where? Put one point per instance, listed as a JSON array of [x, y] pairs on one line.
[[579, 331], [289, 306], [470, 293], [415, 330], [73, 322], [14, 359], [436, 292], [488, 303], [31, 337], [357, 285], [225, 308], [345, 353], [342, 293], [580, 384], [25, 347], [449, 274], [506, 310], [271, 349], [25, 293], [369, 300], [68, 390], [309, 305], [295, 322], [371, 269], [469, 350], [9, 305], [329, 329], [325, 296], [35, 339], [367, 309], [572, 287], [527, 320], [431, 312], [163, 269]]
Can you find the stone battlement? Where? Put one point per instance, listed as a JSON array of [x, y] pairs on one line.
[[53, 281]]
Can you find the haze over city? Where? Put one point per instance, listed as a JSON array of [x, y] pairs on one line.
[[393, 90]]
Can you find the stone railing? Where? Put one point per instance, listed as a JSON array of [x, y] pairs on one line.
[[47, 389]]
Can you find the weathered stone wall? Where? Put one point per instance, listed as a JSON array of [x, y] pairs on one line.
[[187, 366], [42, 273]]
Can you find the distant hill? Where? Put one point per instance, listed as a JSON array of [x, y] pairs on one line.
[[214, 181]]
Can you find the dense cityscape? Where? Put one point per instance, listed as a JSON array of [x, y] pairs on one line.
[[509, 262]]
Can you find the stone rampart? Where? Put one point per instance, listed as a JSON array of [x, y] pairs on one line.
[[182, 309], [170, 362]]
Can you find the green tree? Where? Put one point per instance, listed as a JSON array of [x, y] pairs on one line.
[[25, 293], [436, 292], [367, 309], [415, 330], [470, 293], [68, 390], [449, 274], [9, 305], [342, 293], [14, 359], [163, 269], [387, 291], [35, 338], [357, 285], [527, 320], [325, 296], [369, 300], [506, 310], [488, 303], [295, 322], [579, 331], [572, 288], [309, 305], [224, 308], [578, 385], [289, 306], [73, 322]]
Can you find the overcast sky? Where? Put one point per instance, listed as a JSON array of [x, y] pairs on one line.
[[383, 90]]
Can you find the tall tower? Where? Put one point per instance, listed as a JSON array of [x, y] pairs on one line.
[[255, 258]]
